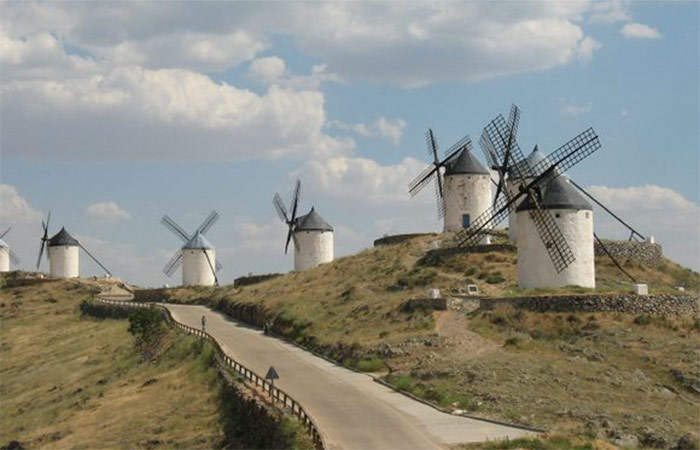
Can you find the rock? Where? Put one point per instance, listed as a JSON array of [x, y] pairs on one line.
[[12, 445], [687, 442], [626, 441], [650, 439]]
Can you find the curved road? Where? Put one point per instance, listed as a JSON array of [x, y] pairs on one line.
[[351, 410]]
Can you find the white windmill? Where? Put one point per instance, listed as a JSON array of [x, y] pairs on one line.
[[555, 224], [6, 254], [197, 255], [463, 191], [312, 235], [63, 253]]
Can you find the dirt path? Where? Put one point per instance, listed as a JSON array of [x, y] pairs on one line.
[[464, 344]]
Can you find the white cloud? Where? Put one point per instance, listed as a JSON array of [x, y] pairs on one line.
[[611, 11], [107, 212], [573, 109], [267, 70], [586, 48], [639, 31], [173, 113], [404, 43], [653, 210], [392, 130], [15, 209], [389, 129], [361, 179]]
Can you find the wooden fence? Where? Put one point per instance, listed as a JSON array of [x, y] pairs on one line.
[[276, 394]]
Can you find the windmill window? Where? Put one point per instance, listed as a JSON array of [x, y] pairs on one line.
[[557, 215], [588, 215]]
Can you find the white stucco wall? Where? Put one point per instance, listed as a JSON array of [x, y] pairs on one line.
[[196, 269], [465, 194], [535, 268], [4, 259], [512, 221], [312, 248], [64, 261]]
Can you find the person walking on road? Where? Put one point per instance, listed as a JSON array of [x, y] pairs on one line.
[[204, 323]]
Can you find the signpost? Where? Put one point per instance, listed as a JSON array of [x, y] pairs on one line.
[[272, 376]]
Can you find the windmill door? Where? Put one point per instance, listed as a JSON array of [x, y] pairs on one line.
[[465, 220]]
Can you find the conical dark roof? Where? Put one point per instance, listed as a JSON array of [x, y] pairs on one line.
[[198, 242], [62, 238], [465, 163], [532, 160], [559, 194], [312, 222]]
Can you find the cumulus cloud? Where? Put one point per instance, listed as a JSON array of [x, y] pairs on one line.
[[653, 210], [107, 212], [639, 31], [405, 43], [160, 113], [389, 129], [612, 11], [361, 178], [15, 209], [267, 70]]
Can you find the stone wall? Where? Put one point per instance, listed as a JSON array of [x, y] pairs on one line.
[[254, 279], [399, 238], [643, 252], [623, 303]]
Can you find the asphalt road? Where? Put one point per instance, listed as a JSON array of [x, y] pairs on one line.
[[351, 410]]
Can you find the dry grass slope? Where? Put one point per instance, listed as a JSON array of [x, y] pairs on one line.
[[72, 382]]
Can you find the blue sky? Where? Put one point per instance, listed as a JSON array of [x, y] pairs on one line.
[[114, 114]]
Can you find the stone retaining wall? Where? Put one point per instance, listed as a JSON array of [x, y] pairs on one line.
[[643, 252], [254, 279], [399, 238], [623, 303]]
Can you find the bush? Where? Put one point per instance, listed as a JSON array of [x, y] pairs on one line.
[[373, 364], [642, 319], [404, 382], [512, 341], [495, 278]]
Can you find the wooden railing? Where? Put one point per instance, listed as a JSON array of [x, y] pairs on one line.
[[276, 394]]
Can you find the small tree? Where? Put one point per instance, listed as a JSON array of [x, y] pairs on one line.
[[146, 325]]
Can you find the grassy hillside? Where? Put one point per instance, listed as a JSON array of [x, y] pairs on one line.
[[75, 382], [596, 376]]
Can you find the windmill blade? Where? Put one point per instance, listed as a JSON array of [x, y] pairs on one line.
[[289, 237], [41, 253], [295, 202], [417, 185], [14, 258], [513, 121], [218, 266], [211, 267], [569, 154], [465, 142], [280, 208], [208, 222], [175, 228], [558, 249], [431, 142], [439, 196], [4, 233], [173, 264], [487, 220], [496, 139], [95, 259]]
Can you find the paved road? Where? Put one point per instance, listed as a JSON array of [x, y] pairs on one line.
[[351, 410]]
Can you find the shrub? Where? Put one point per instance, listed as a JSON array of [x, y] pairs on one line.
[[512, 341], [495, 278], [642, 319], [373, 364]]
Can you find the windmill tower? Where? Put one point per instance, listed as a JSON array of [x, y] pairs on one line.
[[6, 254], [534, 158], [63, 253], [463, 192], [574, 217], [312, 235], [467, 190], [502, 150], [197, 256]]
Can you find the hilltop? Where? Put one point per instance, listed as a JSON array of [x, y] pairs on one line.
[[606, 376]]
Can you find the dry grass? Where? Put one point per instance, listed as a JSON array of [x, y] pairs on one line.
[[75, 382]]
